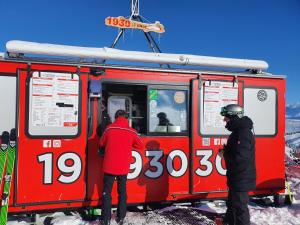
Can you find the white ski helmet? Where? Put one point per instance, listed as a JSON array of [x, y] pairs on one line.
[[232, 110]]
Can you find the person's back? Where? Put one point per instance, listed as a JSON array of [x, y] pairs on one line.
[[119, 139]]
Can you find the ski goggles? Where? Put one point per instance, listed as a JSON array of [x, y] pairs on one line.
[[223, 112]]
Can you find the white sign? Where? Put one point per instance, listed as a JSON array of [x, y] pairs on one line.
[[216, 95], [122, 22], [54, 99]]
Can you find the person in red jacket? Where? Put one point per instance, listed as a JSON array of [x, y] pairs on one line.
[[118, 139]]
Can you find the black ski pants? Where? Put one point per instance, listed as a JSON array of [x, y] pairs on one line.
[[108, 181], [237, 208]]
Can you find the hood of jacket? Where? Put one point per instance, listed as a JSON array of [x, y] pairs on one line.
[[239, 123]]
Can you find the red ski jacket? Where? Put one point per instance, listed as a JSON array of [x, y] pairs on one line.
[[119, 139]]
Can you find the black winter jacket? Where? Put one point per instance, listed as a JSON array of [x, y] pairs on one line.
[[239, 155]]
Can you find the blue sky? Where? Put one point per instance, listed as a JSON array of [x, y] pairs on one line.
[[252, 29]]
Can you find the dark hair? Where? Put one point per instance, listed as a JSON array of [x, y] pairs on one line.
[[121, 112]]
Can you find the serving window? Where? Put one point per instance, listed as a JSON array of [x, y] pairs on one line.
[[53, 104], [168, 111]]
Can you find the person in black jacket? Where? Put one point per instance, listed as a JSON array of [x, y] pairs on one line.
[[239, 155]]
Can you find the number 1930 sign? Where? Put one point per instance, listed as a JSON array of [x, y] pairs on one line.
[[122, 22]]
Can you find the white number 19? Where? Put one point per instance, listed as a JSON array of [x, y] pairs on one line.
[[68, 173]]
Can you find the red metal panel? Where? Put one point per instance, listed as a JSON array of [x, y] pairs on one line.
[[11, 67], [30, 173], [142, 188], [270, 151], [206, 170], [94, 161], [169, 184]]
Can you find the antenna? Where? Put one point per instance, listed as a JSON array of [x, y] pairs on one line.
[[135, 8]]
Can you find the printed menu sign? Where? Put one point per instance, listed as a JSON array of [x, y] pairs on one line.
[[216, 95], [54, 99]]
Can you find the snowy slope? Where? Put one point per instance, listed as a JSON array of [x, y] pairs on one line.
[[292, 140], [293, 111], [292, 126]]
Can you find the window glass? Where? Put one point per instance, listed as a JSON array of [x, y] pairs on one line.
[[118, 102], [53, 104], [167, 111], [260, 104], [8, 103]]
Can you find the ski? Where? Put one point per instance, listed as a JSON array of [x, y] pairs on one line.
[[3, 152], [10, 162]]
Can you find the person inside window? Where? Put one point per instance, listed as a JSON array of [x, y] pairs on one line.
[[163, 120], [105, 119]]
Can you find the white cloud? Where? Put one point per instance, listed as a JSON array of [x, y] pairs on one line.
[[294, 105]]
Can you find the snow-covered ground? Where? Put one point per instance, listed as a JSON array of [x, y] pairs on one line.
[[188, 215]]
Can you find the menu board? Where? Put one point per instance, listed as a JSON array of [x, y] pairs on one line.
[[217, 94], [54, 99]]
